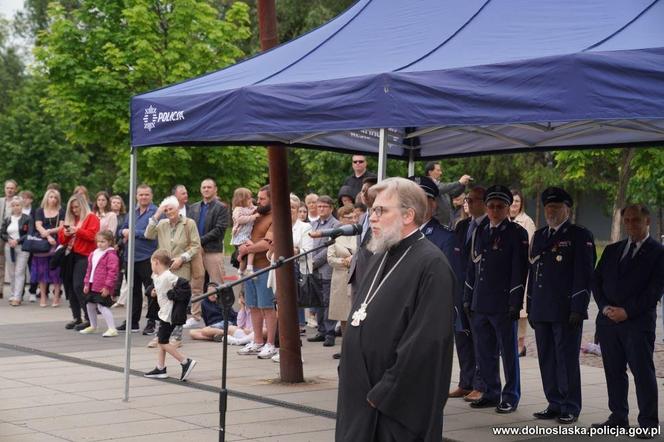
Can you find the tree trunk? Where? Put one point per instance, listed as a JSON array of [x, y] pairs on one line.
[[624, 175]]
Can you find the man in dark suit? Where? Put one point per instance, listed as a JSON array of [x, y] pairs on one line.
[[211, 218], [629, 281], [470, 385], [360, 259], [562, 258], [435, 232], [493, 297]]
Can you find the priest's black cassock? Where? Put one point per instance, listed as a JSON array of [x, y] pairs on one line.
[[400, 357]]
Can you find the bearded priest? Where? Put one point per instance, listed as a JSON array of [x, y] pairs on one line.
[[396, 359]]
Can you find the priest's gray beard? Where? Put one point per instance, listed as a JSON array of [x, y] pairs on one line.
[[389, 237]]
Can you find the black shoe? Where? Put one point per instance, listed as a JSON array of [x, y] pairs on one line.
[[329, 341], [522, 353], [72, 324], [336, 356], [123, 327], [303, 331], [567, 418], [149, 329], [646, 433], [483, 403], [187, 368], [318, 337], [505, 407], [156, 373], [82, 325], [546, 414], [610, 423]]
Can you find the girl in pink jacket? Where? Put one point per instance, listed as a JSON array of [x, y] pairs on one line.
[[99, 283]]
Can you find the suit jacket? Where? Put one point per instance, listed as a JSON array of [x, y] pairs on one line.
[[319, 258], [561, 269], [216, 222], [635, 286], [359, 262], [497, 270]]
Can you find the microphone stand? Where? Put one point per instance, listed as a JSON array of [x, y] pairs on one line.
[[225, 300]]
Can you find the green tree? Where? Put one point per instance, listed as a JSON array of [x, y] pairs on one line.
[[99, 53], [11, 66], [34, 149]]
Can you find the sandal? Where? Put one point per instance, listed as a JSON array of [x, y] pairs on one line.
[[54, 305], [43, 305]]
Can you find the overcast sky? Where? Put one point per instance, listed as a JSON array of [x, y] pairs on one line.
[[8, 7]]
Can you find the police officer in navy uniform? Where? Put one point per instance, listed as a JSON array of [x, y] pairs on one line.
[[470, 385], [433, 230], [493, 298], [629, 281], [562, 258]]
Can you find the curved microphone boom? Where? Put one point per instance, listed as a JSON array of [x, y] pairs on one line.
[[345, 230]]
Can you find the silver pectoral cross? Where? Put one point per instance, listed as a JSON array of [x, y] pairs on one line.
[[359, 315]]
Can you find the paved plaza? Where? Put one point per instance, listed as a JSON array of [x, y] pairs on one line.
[[59, 385]]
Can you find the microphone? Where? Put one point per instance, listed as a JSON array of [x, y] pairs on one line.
[[345, 230]]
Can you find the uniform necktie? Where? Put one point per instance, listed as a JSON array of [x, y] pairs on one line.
[[552, 232], [630, 252]]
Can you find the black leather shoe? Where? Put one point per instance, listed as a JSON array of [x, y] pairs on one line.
[[610, 423], [646, 433], [122, 327], [336, 356], [483, 403], [546, 414], [567, 418], [72, 324], [329, 341], [317, 338], [82, 325], [505, 407]]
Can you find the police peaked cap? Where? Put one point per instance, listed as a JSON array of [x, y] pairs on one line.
[[498, 192], [427, 185], [556, 195]]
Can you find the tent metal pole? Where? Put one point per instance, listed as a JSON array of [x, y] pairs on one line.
[[130, 268], [382, 154], [411, 162]]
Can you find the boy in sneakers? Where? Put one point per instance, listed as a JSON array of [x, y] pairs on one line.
[[173, 294]]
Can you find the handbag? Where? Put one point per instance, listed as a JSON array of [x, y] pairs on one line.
[[59, 258], [35, 244], [309, 287]]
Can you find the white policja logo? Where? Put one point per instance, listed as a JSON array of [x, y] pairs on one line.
[[152, 117]]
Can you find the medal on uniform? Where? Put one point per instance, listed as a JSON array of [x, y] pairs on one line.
[[559, 258]]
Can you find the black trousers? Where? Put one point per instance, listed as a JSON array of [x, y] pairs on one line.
[[622, 346], [142, 279], [73, 277]]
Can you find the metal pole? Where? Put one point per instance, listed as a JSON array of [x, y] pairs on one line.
[[130, 267], [411, 162], [382, 154], [289, 330], [223, 393]]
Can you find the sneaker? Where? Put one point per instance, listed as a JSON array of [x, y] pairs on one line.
[[232, 340], [250, 349], [187, 368], [32, 298], [244, 340], [267, 351], [219, 338], [157, 373], [193, 323], [88, 330], [149, 329], [82, 325], [153, 342], [123, 328], [275, 358], [110, 333]]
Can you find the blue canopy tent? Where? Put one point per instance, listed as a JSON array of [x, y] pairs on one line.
[[433, 78]]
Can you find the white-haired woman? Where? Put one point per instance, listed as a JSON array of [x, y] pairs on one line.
[[48, 219], [178, 235], [14, 229], [78, 235]]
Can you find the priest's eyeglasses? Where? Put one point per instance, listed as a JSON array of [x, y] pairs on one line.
[[379, 210]]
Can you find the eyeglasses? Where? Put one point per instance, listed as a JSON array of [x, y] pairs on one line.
[[358, 161], [379, 210]]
